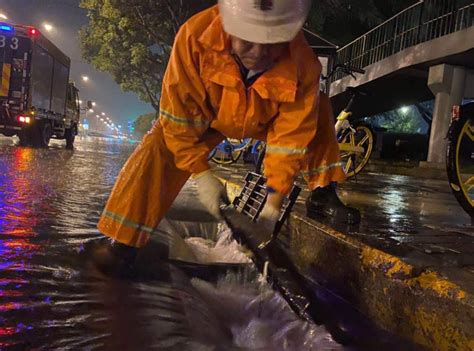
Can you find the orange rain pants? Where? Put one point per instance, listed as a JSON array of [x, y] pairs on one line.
[[150, 181]]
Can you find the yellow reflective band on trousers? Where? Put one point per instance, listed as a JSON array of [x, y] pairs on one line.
[[163, 237], [6, 74], [145, 190], [127, 223], [322, 169]]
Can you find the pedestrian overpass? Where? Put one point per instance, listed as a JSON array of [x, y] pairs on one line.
[[424, 52]]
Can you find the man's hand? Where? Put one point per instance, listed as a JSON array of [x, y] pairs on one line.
[[271, 211], [211, 192]]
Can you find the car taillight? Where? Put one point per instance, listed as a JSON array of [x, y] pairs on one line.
[[24, 119]]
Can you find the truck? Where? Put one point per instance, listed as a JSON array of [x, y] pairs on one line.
[[37, 101]]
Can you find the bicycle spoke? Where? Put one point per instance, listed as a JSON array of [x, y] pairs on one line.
[[348, 165], [363, 140]]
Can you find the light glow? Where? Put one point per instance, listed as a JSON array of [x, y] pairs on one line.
[[48, 27], [404, 110], [6, 28], [24, 119]]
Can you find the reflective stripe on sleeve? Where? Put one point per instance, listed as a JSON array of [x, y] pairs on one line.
[[284, 150], [183, 120]]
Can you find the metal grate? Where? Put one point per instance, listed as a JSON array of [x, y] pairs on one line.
[[254, 194], [421, 22]]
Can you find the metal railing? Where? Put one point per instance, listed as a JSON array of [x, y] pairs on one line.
[[421, 22]]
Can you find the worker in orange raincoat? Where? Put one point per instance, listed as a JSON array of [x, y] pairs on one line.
[[241, 69]]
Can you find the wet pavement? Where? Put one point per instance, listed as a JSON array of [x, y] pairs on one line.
[[52, 298], [418, 220]]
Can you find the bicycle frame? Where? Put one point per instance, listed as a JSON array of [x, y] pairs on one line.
[[343, 125], [230, 150]]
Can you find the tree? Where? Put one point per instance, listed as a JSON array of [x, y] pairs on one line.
[[132, 39], [408, 119], [341, 21], [144, 123]]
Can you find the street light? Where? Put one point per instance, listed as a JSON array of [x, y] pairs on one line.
[[404, 110], [48, 27], [94, 104], [85, 78]]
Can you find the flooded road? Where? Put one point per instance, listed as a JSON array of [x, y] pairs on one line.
[[51, 298]]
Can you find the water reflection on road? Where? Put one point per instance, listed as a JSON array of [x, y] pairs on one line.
[[50, 298]]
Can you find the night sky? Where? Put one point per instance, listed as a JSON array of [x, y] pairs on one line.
[[67, 18]]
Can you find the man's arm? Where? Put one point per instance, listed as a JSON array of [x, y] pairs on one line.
[[290, 135], [183, 112]]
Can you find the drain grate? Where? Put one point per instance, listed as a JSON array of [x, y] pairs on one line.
[[253, 196]]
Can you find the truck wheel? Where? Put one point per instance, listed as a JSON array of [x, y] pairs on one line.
[[70, 136], [24, 138], [44, 131]]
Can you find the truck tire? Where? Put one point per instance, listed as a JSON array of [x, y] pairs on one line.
[[25, 139], [43, 134], [70, 136]]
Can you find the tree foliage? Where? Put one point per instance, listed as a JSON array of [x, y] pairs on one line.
[[415, 119], [132, 39], [144, 123], [341, 21]]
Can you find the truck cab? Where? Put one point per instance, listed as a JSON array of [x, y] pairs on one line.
[[37, 101]]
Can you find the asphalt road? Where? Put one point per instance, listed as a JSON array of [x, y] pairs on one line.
[[52, 298]]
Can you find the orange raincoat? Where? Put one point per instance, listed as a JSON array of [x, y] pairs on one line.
[[204, 99]]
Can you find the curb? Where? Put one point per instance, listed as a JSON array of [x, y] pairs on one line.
[[418, 305]]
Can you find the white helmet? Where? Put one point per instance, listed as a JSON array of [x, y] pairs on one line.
[[264, 21]]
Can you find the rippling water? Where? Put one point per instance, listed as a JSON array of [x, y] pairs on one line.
[[50, 297]]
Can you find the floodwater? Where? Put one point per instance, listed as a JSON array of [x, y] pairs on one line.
[[52, 298]]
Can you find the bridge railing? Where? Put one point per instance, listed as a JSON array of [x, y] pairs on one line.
[[421, 22]]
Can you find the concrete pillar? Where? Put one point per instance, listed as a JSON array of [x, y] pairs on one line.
[[448, 85]]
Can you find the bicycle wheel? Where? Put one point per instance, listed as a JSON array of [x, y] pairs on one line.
[[228, 152], [460, 160], [354, 162]]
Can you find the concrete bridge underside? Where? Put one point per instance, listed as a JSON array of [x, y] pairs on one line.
[[402, 79]]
